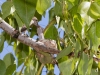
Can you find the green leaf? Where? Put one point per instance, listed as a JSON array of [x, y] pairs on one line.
[[74, 10], [67, 67], [22, 47], [98, 28], [98, 1], [2, 39], [94, 11], [63, 26], [51, 72], [33, 31], [30, 70], [64, 52], [77, 47], [58, 9], [25, 9], [2, 67], [26, 49], [93, 37], [8, 38], [38, 16], [42, 6], [20, 54], [83, 10], [9, 59], [6, 9], [85, 65], [17, 73], [21, 57], [94, 72], [10, 69], [45, 58], [77, 24], [51, 14], [51, 33], [84, 7], [19, 21], [90, 62]]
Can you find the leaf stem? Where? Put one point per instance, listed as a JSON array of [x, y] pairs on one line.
[[40, 69], [25, 63], [52, 22], [21, 70]]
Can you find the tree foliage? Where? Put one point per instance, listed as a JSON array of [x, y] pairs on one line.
[[78, 19]]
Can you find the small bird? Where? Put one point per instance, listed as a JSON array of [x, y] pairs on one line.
[[34, 21]]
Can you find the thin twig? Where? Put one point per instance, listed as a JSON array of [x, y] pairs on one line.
[[25, 63], [40, 69]]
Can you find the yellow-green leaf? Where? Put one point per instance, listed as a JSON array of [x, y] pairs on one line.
[[42, 6]]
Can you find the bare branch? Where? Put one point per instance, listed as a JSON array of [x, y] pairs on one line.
[[27, 40]]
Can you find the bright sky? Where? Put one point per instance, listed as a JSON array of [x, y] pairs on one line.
[[9, 49]]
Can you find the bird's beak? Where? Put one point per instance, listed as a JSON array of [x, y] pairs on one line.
[[32, 22]]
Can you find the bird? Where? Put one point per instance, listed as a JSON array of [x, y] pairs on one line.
[[34, 21]]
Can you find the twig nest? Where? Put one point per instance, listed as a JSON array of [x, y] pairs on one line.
[[49, 43]]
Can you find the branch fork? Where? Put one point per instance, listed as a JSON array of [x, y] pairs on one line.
[[26, 40]]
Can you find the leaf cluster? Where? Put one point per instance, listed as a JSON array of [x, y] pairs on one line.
[[74, 24]]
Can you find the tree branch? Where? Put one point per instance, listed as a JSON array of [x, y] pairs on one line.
[[27, 40]]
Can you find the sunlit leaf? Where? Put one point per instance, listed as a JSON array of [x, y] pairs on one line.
[[83, 9], [42, 6], [94, 11], [25, 9], [2, 67]]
